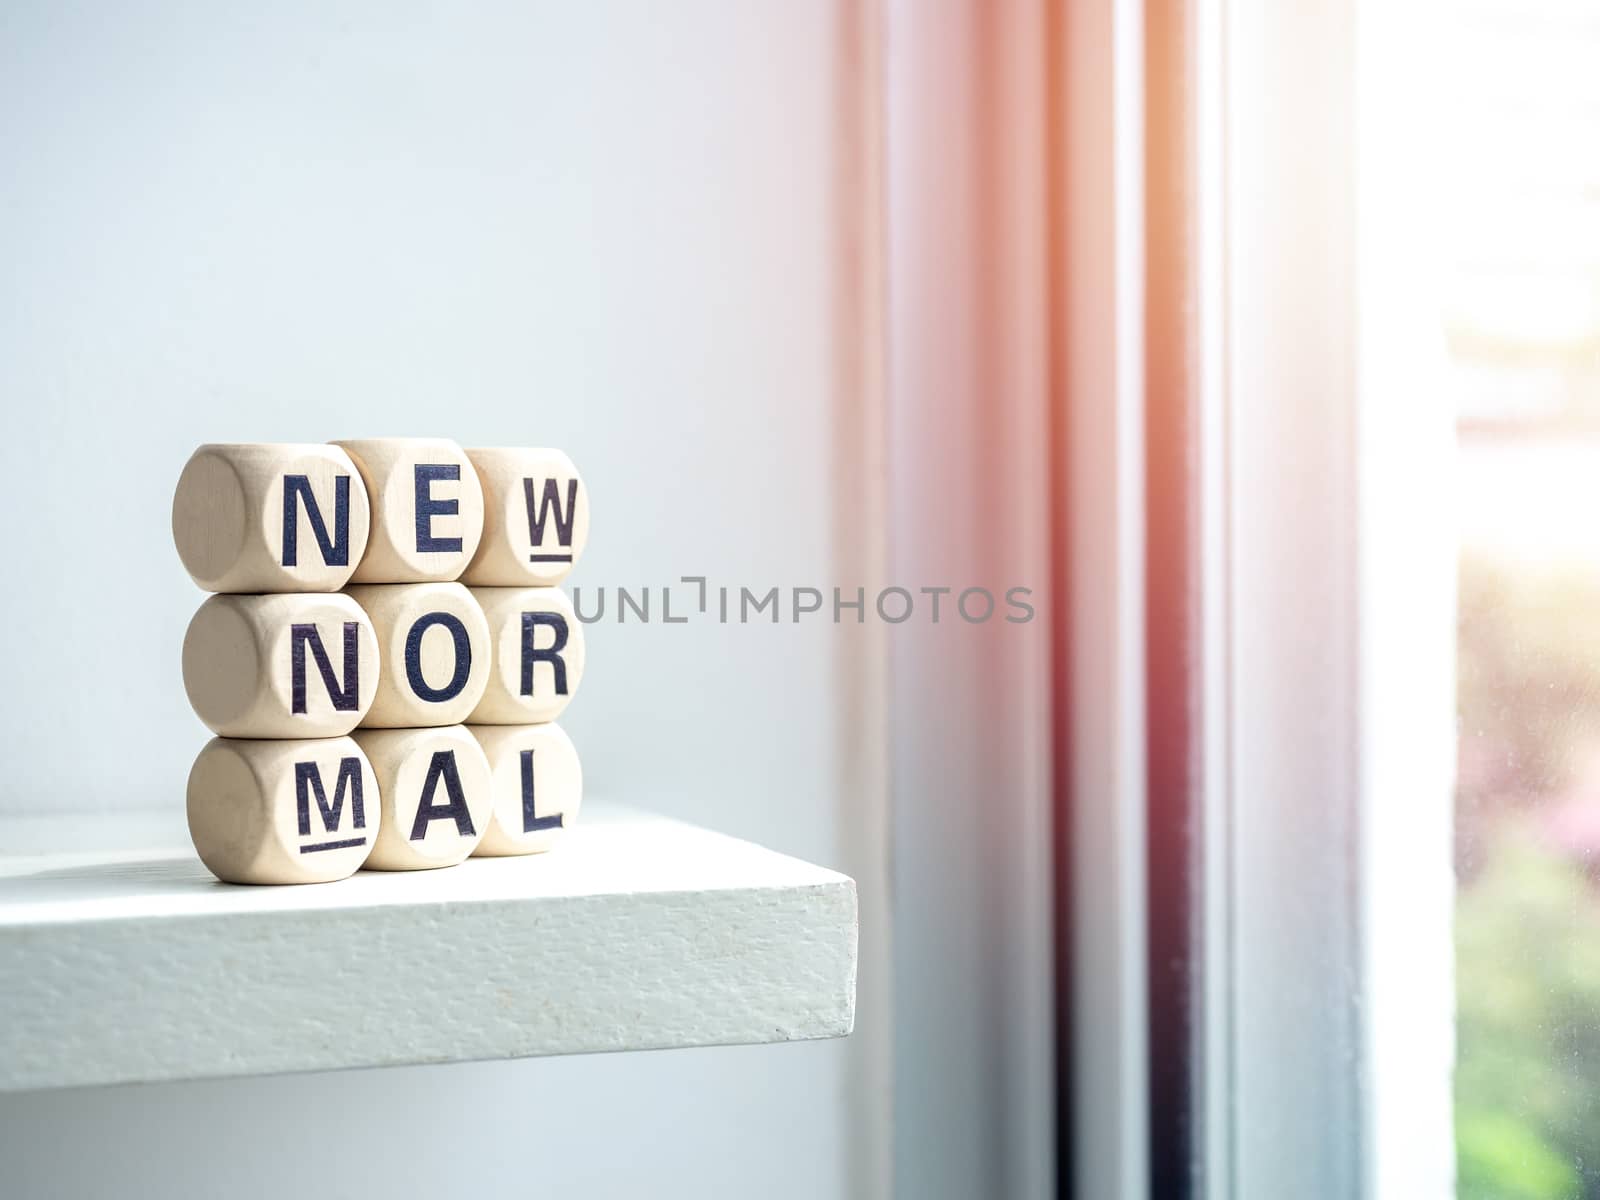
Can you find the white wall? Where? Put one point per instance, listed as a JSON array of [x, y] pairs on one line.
[[969, 705], [605, 228]]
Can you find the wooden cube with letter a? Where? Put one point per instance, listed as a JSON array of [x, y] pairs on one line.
[[436, 797], [284, 810]]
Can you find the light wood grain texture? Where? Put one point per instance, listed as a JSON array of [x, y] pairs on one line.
[[282, 811], [536, 783], [427, 509], [535, 517], [638, 933], [237, 531], [434, 653], [435, 793], [536, 655], [291, 665]]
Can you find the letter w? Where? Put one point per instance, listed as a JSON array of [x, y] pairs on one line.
[[539, 509]]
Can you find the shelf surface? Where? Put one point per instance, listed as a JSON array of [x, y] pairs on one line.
[[637, 932]]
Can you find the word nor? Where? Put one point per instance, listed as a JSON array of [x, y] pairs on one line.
[[405, 721]]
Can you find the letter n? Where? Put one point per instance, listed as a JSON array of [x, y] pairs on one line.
[[335, 550], [346, 698]]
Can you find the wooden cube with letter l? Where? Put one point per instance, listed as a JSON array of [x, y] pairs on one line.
[[536, 786]]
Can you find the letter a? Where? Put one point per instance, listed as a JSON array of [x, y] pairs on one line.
[[442, 767]]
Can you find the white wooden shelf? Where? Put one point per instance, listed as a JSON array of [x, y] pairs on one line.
[[636, 933]]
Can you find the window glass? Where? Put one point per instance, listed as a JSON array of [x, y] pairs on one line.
[[1522, 319]]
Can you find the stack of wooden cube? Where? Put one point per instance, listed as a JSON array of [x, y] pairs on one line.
[[385, 656]]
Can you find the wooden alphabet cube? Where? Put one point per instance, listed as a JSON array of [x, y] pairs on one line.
[[434, 649], [283, 811], [270, 518], [427, 509], [436, 796], [537, 785], [535, 518], [536, 655], [290, 665]]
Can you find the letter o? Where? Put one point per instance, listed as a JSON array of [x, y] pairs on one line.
[[463, 647], [905, 616], [988, 599]]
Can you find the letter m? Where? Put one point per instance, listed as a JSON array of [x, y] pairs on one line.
[[308, 783], [335, 550]]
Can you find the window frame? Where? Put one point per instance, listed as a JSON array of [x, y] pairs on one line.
[[1284, 852]]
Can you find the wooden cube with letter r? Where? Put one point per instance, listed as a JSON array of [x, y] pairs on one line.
[[536, 655]]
